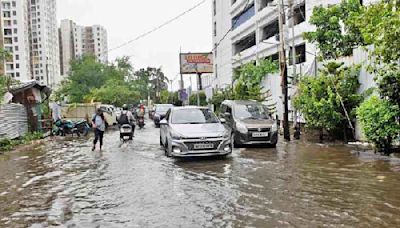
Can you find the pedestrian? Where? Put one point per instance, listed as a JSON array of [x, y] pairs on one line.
[[99, 125]]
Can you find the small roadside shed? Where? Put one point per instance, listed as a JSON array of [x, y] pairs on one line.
[[31, 95]]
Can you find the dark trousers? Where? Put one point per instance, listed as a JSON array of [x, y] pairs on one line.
[[98, 136]]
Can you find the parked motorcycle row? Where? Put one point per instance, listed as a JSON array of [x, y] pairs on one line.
[[68, 127]]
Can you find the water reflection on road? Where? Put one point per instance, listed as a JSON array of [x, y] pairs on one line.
[[64, 184]]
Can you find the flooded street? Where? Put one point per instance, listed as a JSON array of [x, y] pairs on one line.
[[65, 184]]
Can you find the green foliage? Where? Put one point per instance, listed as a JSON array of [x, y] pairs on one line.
[[380, 26], [388, 80], [379, 122], [221, 96], [319, 98], [7, 144], [203, 99], [86, 74], [248, 80], [114, 92], [150, 81], [333, 39]]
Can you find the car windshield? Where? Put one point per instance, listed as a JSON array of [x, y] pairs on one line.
[[163, 108], [251, 111], [193, 116]]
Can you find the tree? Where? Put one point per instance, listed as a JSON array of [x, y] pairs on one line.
[[115, 93], [388, 81], [378, 118], [379, 25], [248, 80], [336, 35], [221, 96], [86, 74], [150, 81], [203, 99], [328, 101]]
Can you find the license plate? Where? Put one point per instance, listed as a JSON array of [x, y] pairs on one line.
[[260, 134], [203, 146], [125, 130]]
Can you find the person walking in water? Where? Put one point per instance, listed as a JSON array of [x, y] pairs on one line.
[[99, 126]]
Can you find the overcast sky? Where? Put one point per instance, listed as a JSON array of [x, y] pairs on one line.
[[126, 19]]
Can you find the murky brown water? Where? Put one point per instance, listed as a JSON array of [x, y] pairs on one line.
[[134, 185]]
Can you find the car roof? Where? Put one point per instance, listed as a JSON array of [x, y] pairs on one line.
[[188, 107], [164, 105], [239, 102]]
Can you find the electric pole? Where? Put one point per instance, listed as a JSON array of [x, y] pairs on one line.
[[284, 72]]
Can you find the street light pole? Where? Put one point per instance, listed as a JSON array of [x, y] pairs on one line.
[[284, 73]]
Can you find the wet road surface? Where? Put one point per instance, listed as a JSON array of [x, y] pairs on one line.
[[64, 184]]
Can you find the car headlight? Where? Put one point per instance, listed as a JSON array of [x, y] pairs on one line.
[[226, 134], [274, 127], [175, 135], [241, 128]]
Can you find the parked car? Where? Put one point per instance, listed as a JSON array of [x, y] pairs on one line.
[[193, 132], [159, 113], [250, 123], [109, 113]]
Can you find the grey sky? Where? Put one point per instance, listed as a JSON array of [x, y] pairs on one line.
[[126, 19]]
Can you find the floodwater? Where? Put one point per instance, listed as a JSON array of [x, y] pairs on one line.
[[65, 184]]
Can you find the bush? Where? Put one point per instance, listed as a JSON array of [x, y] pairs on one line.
[[203, 99], [379, 122], [7, 144]]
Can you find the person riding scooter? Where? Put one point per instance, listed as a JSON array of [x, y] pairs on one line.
[[126, 117]]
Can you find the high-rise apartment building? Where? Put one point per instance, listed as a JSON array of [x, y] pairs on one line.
[[76, 41], [29, 34], [44, 42], [14, 38], [245, 31]]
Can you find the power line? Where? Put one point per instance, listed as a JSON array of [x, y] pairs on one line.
[[157, 28]]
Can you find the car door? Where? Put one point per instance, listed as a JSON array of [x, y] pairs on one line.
[[164, 129]]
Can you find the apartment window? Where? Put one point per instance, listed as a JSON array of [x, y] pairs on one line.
[[17, 65], [300, 54], [264, 3], [215, 29], [16, 48], [245, 43], [214, 7], [15, 22], [274, 57], [14, 4], [270, 30], [6, 14], [15, 31], [15, 39], [244, 16], [14, 13], [299, 14], [7, 32], [16, 57], [17, 74]]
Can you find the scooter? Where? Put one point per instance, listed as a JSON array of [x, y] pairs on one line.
[[140, 122], [126, 132]]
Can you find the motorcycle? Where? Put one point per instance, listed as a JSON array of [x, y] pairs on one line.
[[65, 127], [68, 127], [140, 122], [83, 127], [126, 132]]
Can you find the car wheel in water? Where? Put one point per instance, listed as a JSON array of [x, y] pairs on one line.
[[234, 144]]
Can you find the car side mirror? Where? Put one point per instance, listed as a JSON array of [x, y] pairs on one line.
[[223, 120], [164, 122], [227, 115]]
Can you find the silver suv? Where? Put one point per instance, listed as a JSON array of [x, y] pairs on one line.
[[193, 132], [250, 123]]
